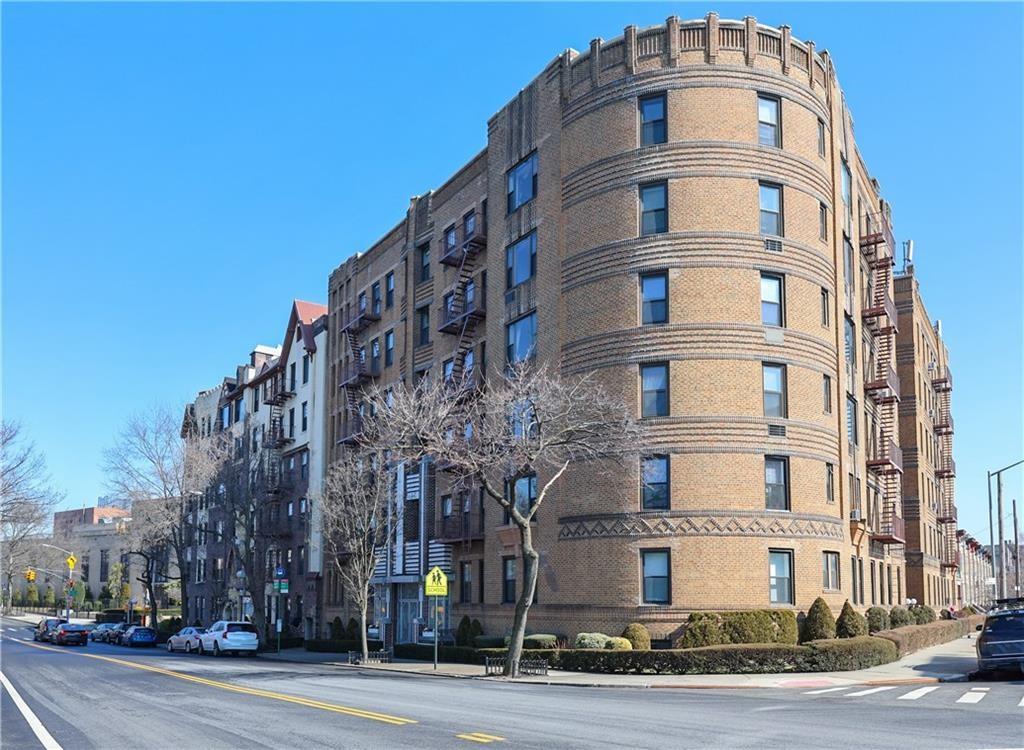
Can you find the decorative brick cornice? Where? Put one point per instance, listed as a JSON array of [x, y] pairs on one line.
[[701, 523]]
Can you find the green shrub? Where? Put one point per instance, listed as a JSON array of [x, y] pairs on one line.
[[819, 623], [462, 633], [898, 617], [337, 629], [638, 635], [910, 638], [489, 641], [859, 652], [475, 629], [615, 643], [702, 629], [590, 640], [748, 627], [922, 614], [786, 630], [449, 654], [541, 640], [851, 623], [342, 646], [878, 619]]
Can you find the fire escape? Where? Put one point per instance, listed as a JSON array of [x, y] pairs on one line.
[[882, 386], [277, 391], [356, 371], [464, 307], [946, 468]]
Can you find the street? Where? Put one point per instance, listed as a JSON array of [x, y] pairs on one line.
[[112, 697]]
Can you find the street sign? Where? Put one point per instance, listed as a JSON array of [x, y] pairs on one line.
[[71, 561], [284, 586], [279, 571], [436, 583]]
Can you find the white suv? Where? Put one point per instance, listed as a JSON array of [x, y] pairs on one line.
[[225, 636]]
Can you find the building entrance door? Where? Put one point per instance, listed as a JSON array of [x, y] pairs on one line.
[[408, 613]]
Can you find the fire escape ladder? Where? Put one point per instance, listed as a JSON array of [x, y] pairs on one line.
[[461, 308]]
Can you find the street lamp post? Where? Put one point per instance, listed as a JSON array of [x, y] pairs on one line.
[[1001, 577], [71, 560]]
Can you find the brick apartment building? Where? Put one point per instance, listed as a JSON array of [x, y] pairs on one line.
[[926, 434], [684, 212]]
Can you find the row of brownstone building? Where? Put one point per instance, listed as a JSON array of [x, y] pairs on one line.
[[684, 212]]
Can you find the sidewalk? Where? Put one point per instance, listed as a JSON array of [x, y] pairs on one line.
[[949, 662]]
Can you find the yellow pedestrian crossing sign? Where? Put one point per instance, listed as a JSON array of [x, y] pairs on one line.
[[436, 583], [71, 562]]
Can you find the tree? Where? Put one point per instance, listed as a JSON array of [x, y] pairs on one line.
[[529, 422], [49, 598], [26, 500], [157, 462], [32, 595], [353, 507], [114, 584]]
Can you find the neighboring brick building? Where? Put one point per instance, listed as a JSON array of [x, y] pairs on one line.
[[973, 572], [683, 212], [926, 433]]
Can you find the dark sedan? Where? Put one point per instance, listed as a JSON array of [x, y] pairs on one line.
[[116, 633], [101, 631], [69, 634], [139, 636], [1000, 644], [45, 628]]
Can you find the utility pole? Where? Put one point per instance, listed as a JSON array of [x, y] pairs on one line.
[[1016, 552], [1002, 549], [991, 532]]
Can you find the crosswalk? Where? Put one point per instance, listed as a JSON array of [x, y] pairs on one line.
[[956, 693]]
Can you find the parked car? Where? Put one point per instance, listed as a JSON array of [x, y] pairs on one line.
[[101, 631], [226, 636], [116, 633], [70, 634], [186, 639], [1000, 644], [138, 635], [45, 627]]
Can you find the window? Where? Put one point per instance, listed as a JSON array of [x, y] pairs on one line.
[[423, 256], [291, 422], [830, 571], [521, 338], [769, 132], [850, 343], [770, 197], [522, 182], [389, 348], [851, 419], [302, 565], [853, 579], [847, 200], [654, 298], [423, 325], [240, 409], [654, 488], [448, 370], [874, 597], [225, 416], [291, 508], [773, 379], [776, 483], [468, 363], [772, 312], [826, 393], [508, 580], [305, 416], [446, 506], [823, 222], [465, 582], [375, 297], [654, 387], [389, 289], [830, 483], [657, 583], [652, 120], [469, 225], [522, 491], [821, 139], [450, 239], [826, 315], [305, 369], [780, 576], [521, 261], [480, 579], [291, 376], [653, 209]]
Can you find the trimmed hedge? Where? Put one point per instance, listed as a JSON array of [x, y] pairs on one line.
[[851, 623], [489, 641], [590, 640], [915, 637], [450, 654], [786, 629], [618, 644], [751, 626], [898, 617], [819, 624], [638, 635], [541, 640], [343, 646], [878, 619], [922, 614]]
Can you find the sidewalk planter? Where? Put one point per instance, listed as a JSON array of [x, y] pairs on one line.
[[911, 638]]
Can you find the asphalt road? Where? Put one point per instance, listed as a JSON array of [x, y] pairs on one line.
[[112, 697]]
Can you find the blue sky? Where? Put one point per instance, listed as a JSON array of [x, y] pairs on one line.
[[173, 175]]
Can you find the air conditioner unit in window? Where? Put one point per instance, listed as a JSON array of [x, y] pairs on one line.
[[931, 414], [773, 246], [931, 366], [777, 430], [856, 515]]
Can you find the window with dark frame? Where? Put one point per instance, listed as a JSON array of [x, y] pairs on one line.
[[821, 139], [521, 339], [305, 369], [653, 209], [826, 308], [522, 183], [826, 393], [508, 580], [653, 128], [521, 261], [654, 298], [654, 390], [851, 420], [823, 222], [772, 300], [389, 348], [657, 580], [423, 325], [830, 571], [780, 576], [375, 298], [468, 225], [830, 483], [465, 582], [480, 579], [770, 199], [654, 489], [451, 239], [773, 381], [776, 482], [389, 289], [521, 491], [853, 579], [423, 258], [769, 120]]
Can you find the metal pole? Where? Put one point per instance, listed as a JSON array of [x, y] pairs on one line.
[[437, 634], [1016, 551], [999, 522], [991, 532]]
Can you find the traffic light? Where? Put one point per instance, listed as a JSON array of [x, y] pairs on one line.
[[30, 575]]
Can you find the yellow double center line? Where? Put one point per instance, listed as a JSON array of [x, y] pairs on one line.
[[480, 737], [309, 702]]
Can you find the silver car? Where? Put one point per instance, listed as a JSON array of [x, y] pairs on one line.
[[186, 639], [224, 637]]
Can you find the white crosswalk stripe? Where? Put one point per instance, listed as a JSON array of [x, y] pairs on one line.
[[913, 695], [972, 696], [1021, 704], [870, 691], [826, 690]]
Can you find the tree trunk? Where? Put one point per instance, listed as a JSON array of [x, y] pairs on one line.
[[530, 567], [362, 635]]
